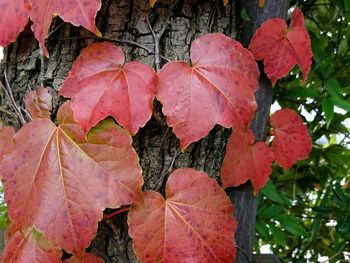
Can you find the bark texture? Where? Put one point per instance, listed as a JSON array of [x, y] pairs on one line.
[[158, 149]]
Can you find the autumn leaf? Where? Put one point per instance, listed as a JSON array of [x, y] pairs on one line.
[[218, 88], [75, 12], [101, 85], [60, 182], [87, 258], [30, 247], [246, 160], [281, 47], [291, 141], [10, 230], [38, 103], [261, 3], [194, 223], [14, 16], [7, 134]]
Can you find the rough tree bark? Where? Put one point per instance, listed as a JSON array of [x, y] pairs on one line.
[[125, 22]]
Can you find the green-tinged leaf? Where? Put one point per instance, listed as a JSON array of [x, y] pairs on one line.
[[343, 104], [278, 235], [262, 229], [272, 193], [300, 92], [291, 224], [340, 197], [333, 88], [347, 6], [344, 227], [323, 209], [271, 212], [328, 109]]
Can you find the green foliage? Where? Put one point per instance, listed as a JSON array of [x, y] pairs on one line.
[[316, 221]]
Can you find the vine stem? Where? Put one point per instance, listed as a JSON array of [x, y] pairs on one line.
[[157, 36], [117, 212], [9, 93], [129, 42]]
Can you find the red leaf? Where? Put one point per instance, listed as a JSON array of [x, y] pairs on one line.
[[194, 224], [74, 11], [14, 16], [10, 230], [245, 160], [292, 141], [38, 103], [30, 247], [101, 86], [217, 89], [281, 48], [60, 182], [6, 141], [87, 258]]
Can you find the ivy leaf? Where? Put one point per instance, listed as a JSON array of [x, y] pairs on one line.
[[218, 88], [11, 229], [74, 11], [60, 182], [292, 141], [14, 16], [281, 47], [194, 223], [30, 247], [38, 103], [7, 134], [87, 258], [101, 85], [245, 160]]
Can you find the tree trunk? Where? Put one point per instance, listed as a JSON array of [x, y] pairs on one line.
[[158, 148]]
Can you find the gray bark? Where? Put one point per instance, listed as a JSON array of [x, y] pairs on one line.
[[156, 145]]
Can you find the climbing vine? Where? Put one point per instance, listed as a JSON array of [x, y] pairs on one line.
[[59, 178]]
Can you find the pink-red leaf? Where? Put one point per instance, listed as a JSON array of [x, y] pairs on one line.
[[291, 141], [30, 247], [101, 85], [77, 12], [281, 48], [87, 258], [193, 224], [14, 16], [60, 182], [38, 103], [218, 88], [7, 134], [245, 160]]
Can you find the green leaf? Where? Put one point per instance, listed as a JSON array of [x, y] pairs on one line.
[[328, 109], [347, 6], [278, 235], [333, 88], [301, 92], [291, 224], [262, 229], [270, 191], [323, 209], [340, 197], [270, 212]]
